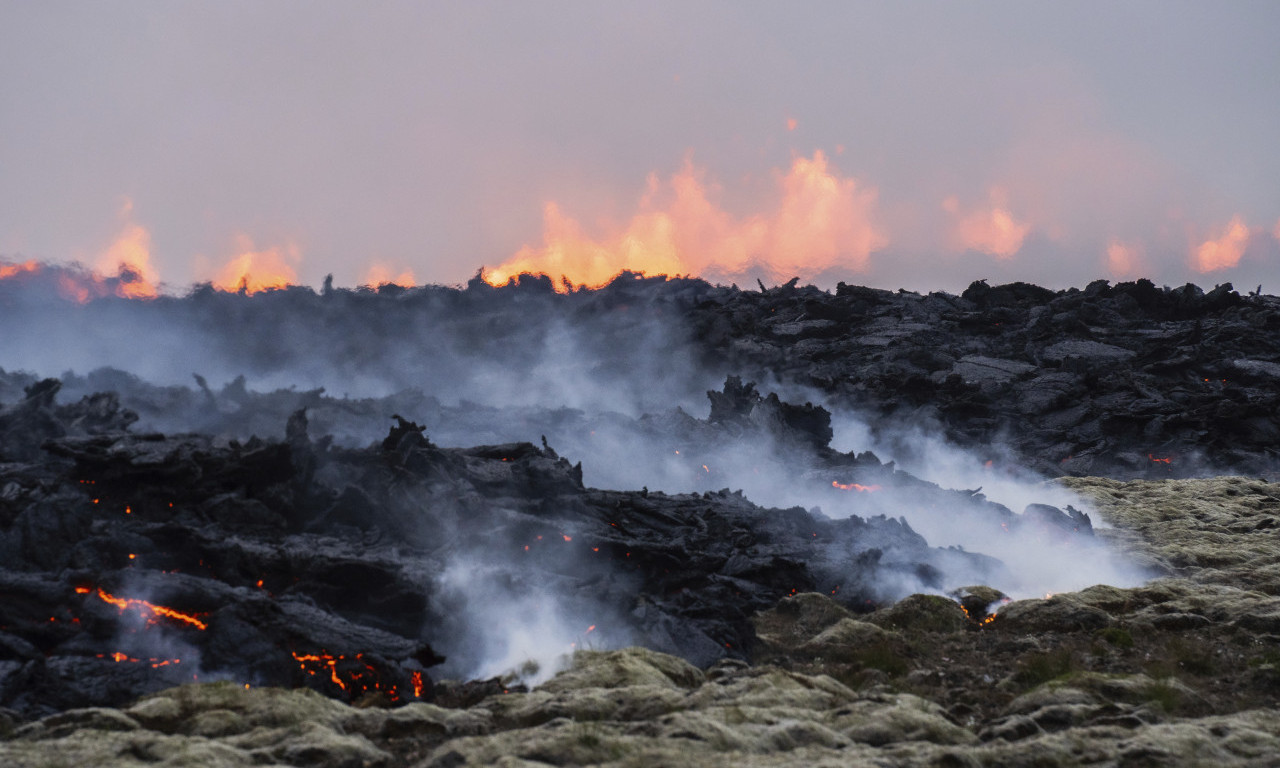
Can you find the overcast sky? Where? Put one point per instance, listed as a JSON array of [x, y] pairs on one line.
[[1049, 142]]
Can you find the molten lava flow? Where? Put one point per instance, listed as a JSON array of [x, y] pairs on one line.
[[324, 660], [855, 487], [349, 673], [416, 678], [821, 220], [144, 608], [258, 270], [991, 230], [1225, 251], [1159, 459], [155, 662]]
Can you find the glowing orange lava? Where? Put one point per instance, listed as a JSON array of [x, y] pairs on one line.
[[855, 487], [156, 612], [155, 662], [820, 220]]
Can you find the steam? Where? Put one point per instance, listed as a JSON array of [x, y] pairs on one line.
[[515, 628], [623, 394]]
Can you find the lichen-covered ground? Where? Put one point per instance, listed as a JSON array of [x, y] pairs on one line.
[[1184, 670]]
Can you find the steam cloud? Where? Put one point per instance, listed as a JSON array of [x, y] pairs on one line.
[[624, 394]]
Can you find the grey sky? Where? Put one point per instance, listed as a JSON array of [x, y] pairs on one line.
[[428, 136]]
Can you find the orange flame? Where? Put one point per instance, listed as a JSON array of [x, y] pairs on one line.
[[130, 257], [143, 607], [993, 230], [258, 270], [1224, 252], [382, 274], [12, 270], [416, 678], [855, 487], [1122, 259], [821, 220]]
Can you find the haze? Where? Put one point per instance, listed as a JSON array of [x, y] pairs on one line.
[[917, 145]]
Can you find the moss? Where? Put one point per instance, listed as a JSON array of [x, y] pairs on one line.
[[923, 613], [1183, 656], [1117, 636], [1036, 668], [1164, 695], [882, 656]]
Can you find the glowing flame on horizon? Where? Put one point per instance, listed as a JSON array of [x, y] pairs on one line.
[[992, 230], [253, 271], [821, 220], [129, 257], [382, 274], [1122, 259], [12, 270], [1225, 251]]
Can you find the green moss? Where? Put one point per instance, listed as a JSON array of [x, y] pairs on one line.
[[1036, 668], [1117, 636], [1184, 656], [1164, 695], [881, 656]]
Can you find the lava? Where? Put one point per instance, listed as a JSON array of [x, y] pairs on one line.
[[855, 487], [154, 661], [152, 612]]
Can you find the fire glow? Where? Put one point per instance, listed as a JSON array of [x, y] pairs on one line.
[[355, 670], [124, 658], [820, 220], [860, 488]]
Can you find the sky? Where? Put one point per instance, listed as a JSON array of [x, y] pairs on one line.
[[904, 144]]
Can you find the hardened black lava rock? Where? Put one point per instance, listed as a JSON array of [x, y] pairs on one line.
[[130, 562]]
